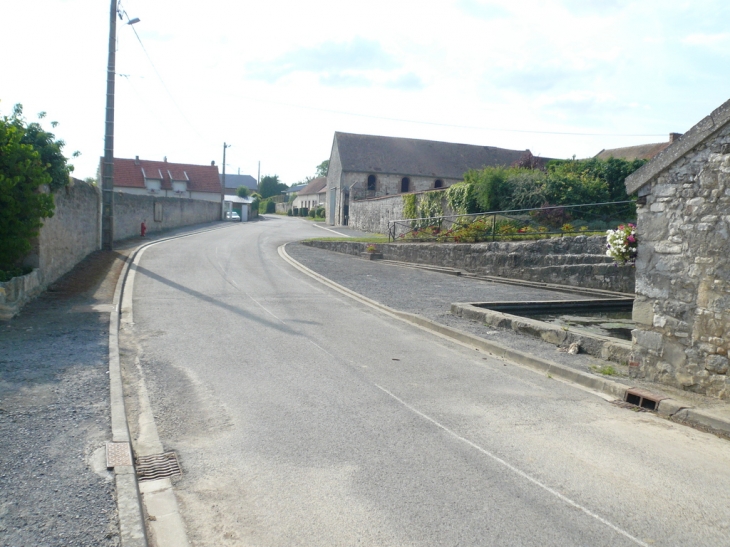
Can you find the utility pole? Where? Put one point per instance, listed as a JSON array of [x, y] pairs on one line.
[[223, 184], [107, 180], [258, 177]]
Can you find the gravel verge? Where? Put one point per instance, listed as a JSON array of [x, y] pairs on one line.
[[54, 414], [431, 294]]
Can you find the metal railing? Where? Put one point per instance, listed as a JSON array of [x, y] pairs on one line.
[[515, 224]]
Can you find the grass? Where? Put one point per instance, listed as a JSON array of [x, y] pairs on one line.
[[606, 370], [376, 238]]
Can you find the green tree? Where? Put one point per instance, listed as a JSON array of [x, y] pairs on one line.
[[322, 168], [270, 185], [242, 192], [30, 159]]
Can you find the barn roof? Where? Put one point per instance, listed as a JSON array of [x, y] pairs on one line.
[[417, 157]]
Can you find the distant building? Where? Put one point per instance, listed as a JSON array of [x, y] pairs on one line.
[[312, 195], [167, 179], [370, 166], [234, 182], [639, 152]]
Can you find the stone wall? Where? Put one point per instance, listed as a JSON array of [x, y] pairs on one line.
[[573, 261], [682, 309], [71, 233], [372, 215], [131, 210]]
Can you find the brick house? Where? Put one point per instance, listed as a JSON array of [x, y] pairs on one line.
[[682, 306]]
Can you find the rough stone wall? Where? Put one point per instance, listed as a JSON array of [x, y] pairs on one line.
[[70, 234], [130, 210], [682, 309], [573, 261], [334, 185], [372, 215]]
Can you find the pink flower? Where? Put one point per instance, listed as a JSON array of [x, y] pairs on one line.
[[631, 239]]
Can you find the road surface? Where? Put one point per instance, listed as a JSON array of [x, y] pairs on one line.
[[302, 417]]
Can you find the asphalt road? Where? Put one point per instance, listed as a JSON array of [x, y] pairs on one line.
[[304, 418]]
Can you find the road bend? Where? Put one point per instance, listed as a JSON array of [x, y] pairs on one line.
[[302, 417]]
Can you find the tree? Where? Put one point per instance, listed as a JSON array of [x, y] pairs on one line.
[[271, 186], [242, 192], [30, 159], [322, 168]]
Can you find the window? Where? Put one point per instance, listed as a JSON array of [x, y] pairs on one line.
[[405, 184], [438, 184], [371, 183]]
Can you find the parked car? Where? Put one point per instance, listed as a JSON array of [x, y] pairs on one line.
[[233, 215]]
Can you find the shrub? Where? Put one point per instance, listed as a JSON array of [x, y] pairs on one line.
[[462, 199], [312, 213], [30, 159], [321, 212], [270, 207]]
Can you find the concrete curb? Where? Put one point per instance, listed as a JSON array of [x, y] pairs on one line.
[[133, 530], [603, 387]]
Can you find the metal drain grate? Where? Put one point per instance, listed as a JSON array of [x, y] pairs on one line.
[[643, 399], [623, 404], [158, 466]]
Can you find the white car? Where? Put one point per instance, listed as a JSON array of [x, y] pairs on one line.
[[233, 215]]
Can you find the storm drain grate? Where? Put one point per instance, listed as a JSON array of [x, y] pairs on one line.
[[623, 404], [158, 466], [643, 398]]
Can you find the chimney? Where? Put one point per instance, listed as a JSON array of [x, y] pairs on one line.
[[674, 137], [164, 159], [212, 162], [136, 160]]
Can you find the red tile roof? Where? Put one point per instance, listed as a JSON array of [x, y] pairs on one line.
[[202, 178]]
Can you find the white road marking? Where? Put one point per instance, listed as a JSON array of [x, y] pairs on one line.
[[515, 469], [333, 231]]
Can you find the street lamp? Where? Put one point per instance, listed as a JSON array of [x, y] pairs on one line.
[[107, 180]]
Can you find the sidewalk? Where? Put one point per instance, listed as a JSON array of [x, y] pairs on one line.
[[430, 294], [55, 489]]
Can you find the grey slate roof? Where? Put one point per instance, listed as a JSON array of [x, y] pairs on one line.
[[314, 187], [700, 132], [235, 181], [394, 155], [295, 188]]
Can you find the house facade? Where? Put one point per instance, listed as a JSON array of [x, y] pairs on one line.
[[371, 166], [312, 195], [167, 179], [682, 306]]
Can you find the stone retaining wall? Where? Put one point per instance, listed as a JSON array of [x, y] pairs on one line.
[[372, 215], [574, 261]]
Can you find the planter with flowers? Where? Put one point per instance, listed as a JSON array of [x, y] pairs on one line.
[[621, 244]]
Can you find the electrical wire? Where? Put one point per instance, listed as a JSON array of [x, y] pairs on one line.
[[121, 11]]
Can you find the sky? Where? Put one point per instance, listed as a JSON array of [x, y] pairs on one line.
[[276, 79]]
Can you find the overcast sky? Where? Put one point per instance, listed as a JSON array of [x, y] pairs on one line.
[[277, 78]]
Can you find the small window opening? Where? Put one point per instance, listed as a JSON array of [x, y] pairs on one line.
[[405, 184], [371, 183], [438, 184]]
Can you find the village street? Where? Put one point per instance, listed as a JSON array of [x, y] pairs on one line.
[[302, 417]]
